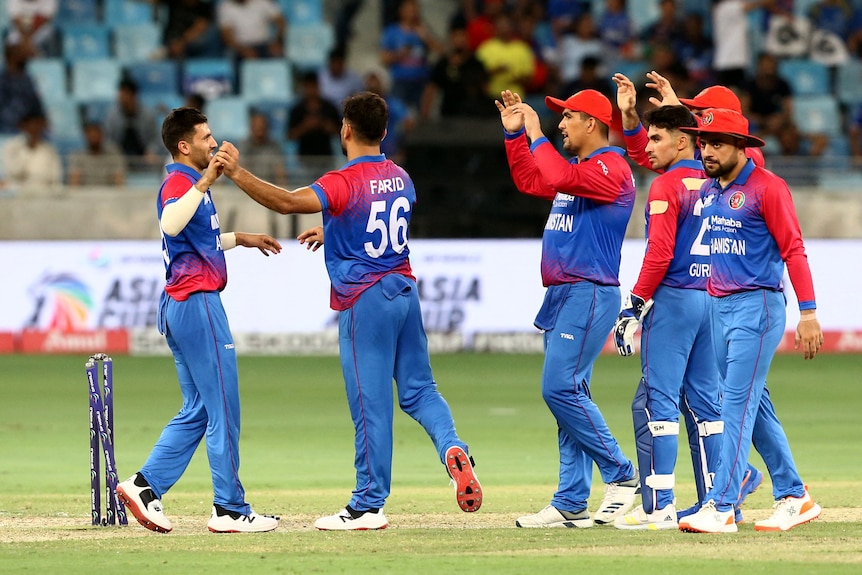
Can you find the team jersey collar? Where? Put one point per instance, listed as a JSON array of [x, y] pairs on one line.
[[692, 164], [604, 150], [364, 159], [189, 171]]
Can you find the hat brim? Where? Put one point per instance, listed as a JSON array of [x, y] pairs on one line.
[[750, 141], [555, 104], [691, 103]]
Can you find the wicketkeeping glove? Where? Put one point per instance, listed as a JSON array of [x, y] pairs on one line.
[[631, 316]]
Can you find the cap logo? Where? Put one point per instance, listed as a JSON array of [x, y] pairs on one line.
[[707, 119], [736, 200]]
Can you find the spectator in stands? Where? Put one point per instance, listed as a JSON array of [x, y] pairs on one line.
[[617, 31], [190, 30], [855, 134], [836, 16], [313, 123], [336, 80], [792, 142], [99, 163], [401, 119], [32, 26], [133, 128], [694, 49], [574, 47], [730, 37], [478, 20], [529, 27], [458, 82], [591, 77], [196, 101], [18, 93], [508, 59], [769, 97], [261, 154], [405, 50], [31, 163], [663, 60], [667, 28], [563, 14], [252, 29]]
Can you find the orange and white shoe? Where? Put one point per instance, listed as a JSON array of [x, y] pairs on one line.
[[709, 520], [790, 512], [468, 492]]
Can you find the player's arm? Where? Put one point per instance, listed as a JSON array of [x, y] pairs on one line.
[[635, 135], [263, 242], [177, 214], [782, 222], [312, 238], [588, 179], [663, 206], [525, 173], [300, 201]]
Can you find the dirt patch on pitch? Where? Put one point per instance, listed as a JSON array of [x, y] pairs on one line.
[[29, 529]]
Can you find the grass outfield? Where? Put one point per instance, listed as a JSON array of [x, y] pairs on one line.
[[297, 461]]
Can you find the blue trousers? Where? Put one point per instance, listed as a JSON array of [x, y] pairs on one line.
[[200, 339], [382, 338], [747, 328], [677, 357], [577, 319]]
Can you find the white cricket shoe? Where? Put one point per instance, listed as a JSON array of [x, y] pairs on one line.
[[349, 519], [790, 512], [709, 519], [550, 516], [619, 498], [226, 521], [139, 498], [638, 519]]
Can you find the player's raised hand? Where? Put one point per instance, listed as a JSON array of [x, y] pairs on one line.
[[266, 244], [228, 156], [662, 85], [312, 238], [626, 92], [809, 335], [510, 115]]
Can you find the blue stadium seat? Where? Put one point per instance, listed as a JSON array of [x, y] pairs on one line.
[[817, 114], [228, 118], [77, 12], [95, 110], [308, 45], [49, 74], [160, 76], [303, 11], [806, 77], [136, 42], [265, 80], [277, 113], [85, 42], [95, 79], [849, 82], [210, 77], [64, 124], [118, 12], [161, 104]]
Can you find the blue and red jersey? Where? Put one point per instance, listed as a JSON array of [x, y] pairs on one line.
[[194, 259], [592, 199], [754, 231], [677, 253], [367, 207]]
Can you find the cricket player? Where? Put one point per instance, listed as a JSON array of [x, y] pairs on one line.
[[367, 206], [700, 436], [753, 234], [194, 322], [592, 199]]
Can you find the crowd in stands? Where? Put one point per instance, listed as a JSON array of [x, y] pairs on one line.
[[88, 81]]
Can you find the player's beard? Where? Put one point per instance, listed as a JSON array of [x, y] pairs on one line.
[[720, 169]]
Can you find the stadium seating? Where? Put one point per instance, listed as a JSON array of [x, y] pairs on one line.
[[210, 77], [277, 113], [95, 79], [76, 12], [155, 77], [85, 42], [307, 45], [64, 125], [303, 11], [228, 118], [95, 110], [806, 77], [265, 80], [49, 74], [136, 42], [120, 12], [818, 114], [849, 82]]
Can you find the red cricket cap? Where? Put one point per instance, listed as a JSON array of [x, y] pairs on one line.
[[724, 121], [589, 102], [713, 97]]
